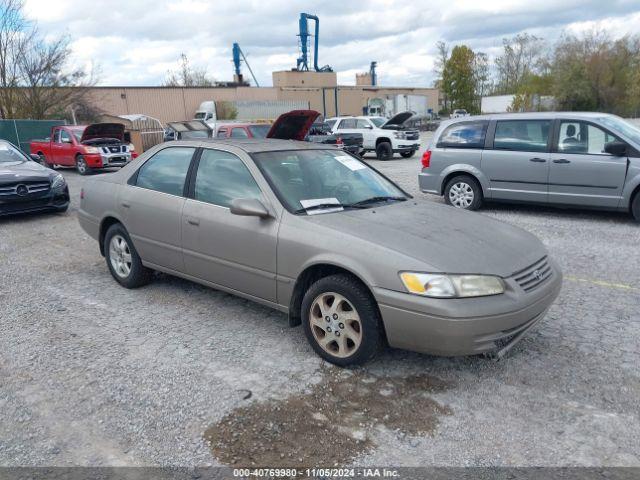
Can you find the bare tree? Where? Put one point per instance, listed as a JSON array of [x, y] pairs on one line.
[[522, 55], [439, 65], [188, 76]]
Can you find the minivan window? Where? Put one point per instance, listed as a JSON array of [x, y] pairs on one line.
[[166, 171], [522, 135], [223, 177], [464, 135], [583, 137]]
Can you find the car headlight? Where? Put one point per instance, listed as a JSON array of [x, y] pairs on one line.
[[92, 149], [399, 134], [439, 285], [58, 182]]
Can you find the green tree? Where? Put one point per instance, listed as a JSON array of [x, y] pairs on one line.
[[459, 80]]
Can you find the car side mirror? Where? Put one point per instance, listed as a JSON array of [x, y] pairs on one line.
[[249, 207], [617, 149], [35, 157]]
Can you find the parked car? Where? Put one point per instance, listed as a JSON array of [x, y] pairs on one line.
[[26, 186], [317, 131], [187, 130], [385, 137], [460, 112], [313, 232], [243, 130], [567, 159], [97, 146]]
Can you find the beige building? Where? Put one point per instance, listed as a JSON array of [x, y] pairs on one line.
[[319, 89]]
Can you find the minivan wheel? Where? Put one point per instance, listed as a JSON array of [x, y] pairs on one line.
[[341, 320], [81, 166], [408, 154], [463, 192], [123, 260], [384, 151], [635, 206]]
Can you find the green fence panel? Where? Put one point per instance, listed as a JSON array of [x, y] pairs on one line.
[[21, 132]]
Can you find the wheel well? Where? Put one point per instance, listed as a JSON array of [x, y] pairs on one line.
[[309, 276], [456, 174], [104, 226], [382, 139]]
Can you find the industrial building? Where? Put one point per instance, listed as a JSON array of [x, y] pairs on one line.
[[319, 89]]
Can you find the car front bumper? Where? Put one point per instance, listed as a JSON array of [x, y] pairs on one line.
[[465, 326], [53, 200], [107, 160]]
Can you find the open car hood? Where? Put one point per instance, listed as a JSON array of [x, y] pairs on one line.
[[103, 130], [399, 119], [293, 125]]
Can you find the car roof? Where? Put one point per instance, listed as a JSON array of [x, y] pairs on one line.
[[256, 145], [531, 115]]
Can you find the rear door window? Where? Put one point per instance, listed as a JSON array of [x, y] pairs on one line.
[[522, 135], [166, 171], [361, 123], [347, 123], [464, 135]]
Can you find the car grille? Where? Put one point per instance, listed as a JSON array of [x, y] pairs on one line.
[[24, 206], [31, 188], [535, 275], [115, 149], [412, 135]]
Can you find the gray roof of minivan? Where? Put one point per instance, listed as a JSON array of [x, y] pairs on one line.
[[532, 115]]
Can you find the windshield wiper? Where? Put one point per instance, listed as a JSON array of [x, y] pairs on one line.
[[327, 206], [368, 201]]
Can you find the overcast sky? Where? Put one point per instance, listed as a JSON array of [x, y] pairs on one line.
[[135, 42]]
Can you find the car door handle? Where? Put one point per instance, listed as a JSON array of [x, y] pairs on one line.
[[125, 204], [537, 160], [562, 160], [193, 221]]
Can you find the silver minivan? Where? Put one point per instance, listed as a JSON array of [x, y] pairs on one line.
[[556, 158]]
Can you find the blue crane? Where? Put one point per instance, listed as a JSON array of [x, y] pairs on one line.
[[237, 54]]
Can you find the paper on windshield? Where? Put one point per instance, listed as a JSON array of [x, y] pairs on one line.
[[312, 202], [350, 162]]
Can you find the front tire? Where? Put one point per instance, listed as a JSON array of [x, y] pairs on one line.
[[408, 154], [384, 151], [463, 191], [341, 320], [81, 166], [123, 260], [635, 206]]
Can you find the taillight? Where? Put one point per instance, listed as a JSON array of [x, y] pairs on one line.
[[339, 141], [426, 159]]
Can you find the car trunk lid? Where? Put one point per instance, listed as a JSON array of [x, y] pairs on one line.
[[293, 125]]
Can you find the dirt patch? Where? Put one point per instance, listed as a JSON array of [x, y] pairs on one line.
[[328, 426]]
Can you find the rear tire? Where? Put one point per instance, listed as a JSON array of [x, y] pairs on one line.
[[81, 166], [463, 191], [408, 154], [635, 206], [384, 151], [353, 334], [123, 260]]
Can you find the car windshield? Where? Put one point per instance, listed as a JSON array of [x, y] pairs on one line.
[[312, 178], [10, 154], [625, 128], [259, 131], [77, 132], [378, 121]]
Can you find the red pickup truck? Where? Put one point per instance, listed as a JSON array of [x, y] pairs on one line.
[[96, 146]]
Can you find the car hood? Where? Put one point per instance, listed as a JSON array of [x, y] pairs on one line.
[[293, 125], [11, 172], [446, 238], [103, 130], [398, 119]]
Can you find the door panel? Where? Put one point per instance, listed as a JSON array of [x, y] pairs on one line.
[[580, 172], [518, 163], [234, 251], [152, 208]]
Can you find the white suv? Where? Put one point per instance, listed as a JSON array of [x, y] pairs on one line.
[[385, 137]]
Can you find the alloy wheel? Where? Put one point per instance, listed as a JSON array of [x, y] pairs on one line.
[[335, 324], [461, 195], [120, 256]]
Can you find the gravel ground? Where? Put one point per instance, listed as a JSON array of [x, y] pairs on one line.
[[93, 374]]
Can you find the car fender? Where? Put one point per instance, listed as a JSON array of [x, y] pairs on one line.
[[461, 168], [342, 261]]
